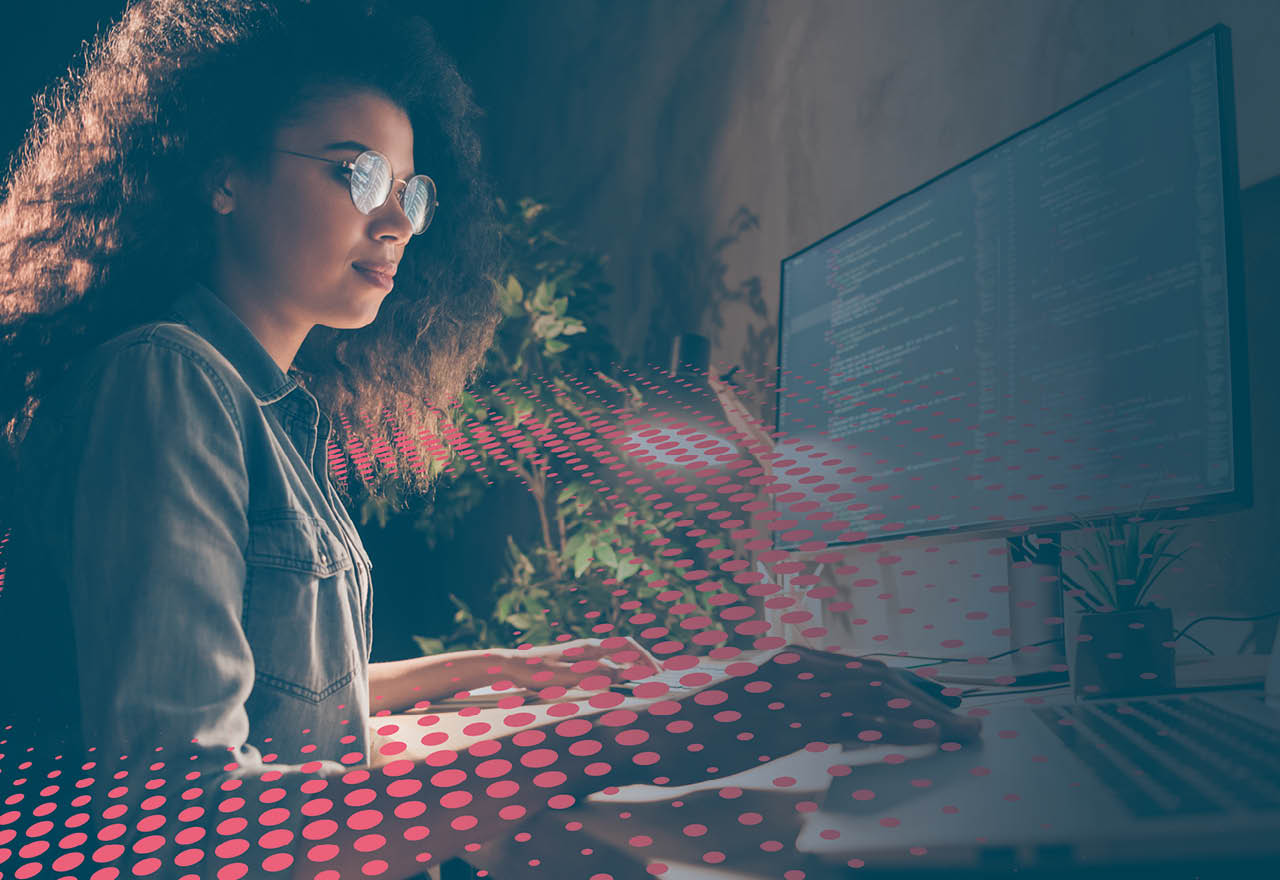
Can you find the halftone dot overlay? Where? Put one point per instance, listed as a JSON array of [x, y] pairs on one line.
[[734, 528]]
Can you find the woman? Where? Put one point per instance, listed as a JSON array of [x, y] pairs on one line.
[[221, 235]]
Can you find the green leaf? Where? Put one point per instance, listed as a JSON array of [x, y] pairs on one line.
[[520, 621], [558, 305], [626, 569], [505, 605], [511, 298], [543, 296], [555, 346], [1150, 549], [470, 405], [547, 327], [1172, 558], [530, 209], [464, 610], [582, 559], [606, 555], [576, 542], [568, 493], [429, 646], [1094, 572]]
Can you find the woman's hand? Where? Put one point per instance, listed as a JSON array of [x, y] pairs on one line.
[[567, 664], [873, 701]]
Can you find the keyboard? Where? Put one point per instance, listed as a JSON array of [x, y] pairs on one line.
[[1173, 755]]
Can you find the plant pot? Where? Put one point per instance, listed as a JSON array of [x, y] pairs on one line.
[[1123, 654]]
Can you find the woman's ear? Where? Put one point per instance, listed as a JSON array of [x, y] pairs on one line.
[[220, 187]]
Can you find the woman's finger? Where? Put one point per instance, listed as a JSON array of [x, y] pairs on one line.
[[635, 654], [921, 704], [902, 732], [902, 700], [555, 673], [865, 688], [630, 654], [852, 674], [578, 649]]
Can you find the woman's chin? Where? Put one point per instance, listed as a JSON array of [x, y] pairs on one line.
[[354, 319]]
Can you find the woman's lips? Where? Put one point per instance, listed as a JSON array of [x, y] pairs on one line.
[[377, 277]]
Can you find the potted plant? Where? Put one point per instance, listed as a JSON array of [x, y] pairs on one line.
[[594, 568], [1124, 646]]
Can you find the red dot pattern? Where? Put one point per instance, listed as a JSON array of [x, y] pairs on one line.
[[142, 824]]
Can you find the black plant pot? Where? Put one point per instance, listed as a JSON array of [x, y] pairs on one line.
[[1124, 654]]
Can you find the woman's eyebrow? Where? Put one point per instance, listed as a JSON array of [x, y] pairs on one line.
[[351, 145], [347, 145]]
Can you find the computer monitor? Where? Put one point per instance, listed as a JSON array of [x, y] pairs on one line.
[[1047, 333]]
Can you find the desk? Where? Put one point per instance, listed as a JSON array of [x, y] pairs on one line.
[[741, 826], [640, 825]]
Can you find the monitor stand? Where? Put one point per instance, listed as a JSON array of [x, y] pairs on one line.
[[1035, 625]]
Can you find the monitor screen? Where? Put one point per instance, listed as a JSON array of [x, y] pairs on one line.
[[1044, 334]]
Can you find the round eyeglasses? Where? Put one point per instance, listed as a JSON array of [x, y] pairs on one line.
[[369, 175]]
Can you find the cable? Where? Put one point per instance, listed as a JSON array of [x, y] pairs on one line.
[[1196, 641], [1016, 650], [1183, 632], [979, 691], [935, 661], [938, 660], [910, 656]]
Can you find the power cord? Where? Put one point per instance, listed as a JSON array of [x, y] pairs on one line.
[[939, 660], [1183, 632]]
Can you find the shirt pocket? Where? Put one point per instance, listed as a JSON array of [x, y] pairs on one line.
[[362, 561], [301, 605]]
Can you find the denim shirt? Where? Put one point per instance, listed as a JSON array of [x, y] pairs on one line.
[[218, 592]]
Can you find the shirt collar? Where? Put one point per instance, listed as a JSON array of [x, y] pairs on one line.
[[204, 312]]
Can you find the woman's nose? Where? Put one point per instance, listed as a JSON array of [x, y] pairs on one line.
[[391, 223]]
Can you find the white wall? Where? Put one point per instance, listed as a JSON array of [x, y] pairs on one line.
[[666, 125], [838, 107]]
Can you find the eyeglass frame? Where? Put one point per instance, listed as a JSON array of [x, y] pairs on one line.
[[349, 165]]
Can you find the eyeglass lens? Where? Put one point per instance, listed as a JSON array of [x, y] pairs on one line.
[[371, 183]]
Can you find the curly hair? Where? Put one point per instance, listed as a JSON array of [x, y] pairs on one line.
[[108, 192]]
